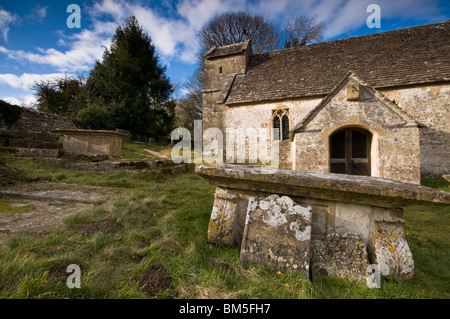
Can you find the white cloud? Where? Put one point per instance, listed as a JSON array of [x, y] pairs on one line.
[[174, 36], [26, 81], [198, 12], [343, 16], [37, 14], [161, 30], [85, 48], [174, 28], [41, 12], [109, 7], [24, 100], [194, 14], [351, 15], [6, 18]]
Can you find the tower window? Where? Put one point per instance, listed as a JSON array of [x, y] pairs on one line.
[[220, 70]]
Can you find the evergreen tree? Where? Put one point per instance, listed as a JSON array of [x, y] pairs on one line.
[[133, 84]]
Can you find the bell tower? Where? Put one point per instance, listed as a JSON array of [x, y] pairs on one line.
[[222, 64]]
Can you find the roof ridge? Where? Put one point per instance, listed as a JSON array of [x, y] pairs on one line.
[[376, 34], [213, 51], [237, 43]]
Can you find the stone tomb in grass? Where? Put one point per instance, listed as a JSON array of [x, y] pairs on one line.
[[315, 223], [93, 142]]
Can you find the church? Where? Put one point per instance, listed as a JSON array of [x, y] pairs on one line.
[[374, 105]]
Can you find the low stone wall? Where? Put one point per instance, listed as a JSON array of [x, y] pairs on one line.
[[16, 118], [329, 224], [142, 166], [33, 152], [23, 139], [27, 128]]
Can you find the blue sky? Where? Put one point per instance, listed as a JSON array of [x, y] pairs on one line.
[[36, 43]]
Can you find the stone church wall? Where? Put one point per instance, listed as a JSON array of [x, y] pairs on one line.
[[430, 106], [259, 116]]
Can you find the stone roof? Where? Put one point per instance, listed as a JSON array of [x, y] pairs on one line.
[[231, 49], [416, 55]]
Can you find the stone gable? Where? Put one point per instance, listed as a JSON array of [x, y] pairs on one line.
[[394, 135]]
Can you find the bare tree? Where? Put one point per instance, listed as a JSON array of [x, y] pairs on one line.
[[234, 27], [302, 30], [190, 108], [224, 29]]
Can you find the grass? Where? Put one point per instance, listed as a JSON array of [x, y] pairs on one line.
[[165, 219], [137, 151], [8, 206], [428, 235]]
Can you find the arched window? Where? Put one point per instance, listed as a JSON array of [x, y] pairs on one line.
[[280, 121], [350, 152], [285, 126], [276, 128]]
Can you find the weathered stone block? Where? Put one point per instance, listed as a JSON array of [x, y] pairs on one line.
[[352, 218], [352, 92], [227, 218], [390, 250], [277, 234], [323, 219], [339, 256], [360, 190]]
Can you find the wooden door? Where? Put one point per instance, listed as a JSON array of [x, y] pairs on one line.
[[350, 152]]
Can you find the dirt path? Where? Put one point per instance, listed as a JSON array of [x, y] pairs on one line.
[[159, 155], [39, 207]]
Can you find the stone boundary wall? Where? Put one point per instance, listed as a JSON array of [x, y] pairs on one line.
[[29, 120], [143, 166], [26, 128], [24, 139]]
